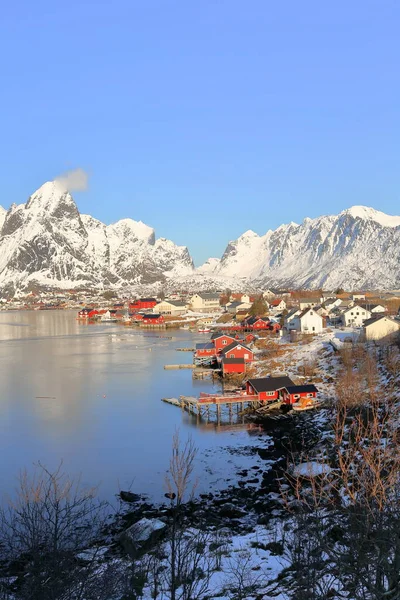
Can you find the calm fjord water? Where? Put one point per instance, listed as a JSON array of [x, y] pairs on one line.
[[90, 395]]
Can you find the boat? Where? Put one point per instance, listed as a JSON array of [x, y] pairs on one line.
[[305, 404], [204, 330], [108, 318]]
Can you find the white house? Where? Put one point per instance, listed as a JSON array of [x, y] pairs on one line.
[[205, 302], [332, 303], [290, 320], [309, 303], [244, 306], [376, 308], [278, 305], [381, 328], [268, 295], [310, 321], [354, 316], [170, 307], [356, 297]]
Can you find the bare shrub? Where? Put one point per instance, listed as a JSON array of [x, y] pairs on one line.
[[49, 534]]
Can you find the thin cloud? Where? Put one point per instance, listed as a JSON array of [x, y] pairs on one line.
[[74, 181]]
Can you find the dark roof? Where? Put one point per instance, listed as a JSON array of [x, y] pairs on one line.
[[375, 319], [150, 316], [146, 300], [252, 320], [233, 361], [204, 346], [218, 334], [300, 389], [270, 384], [233, 345]]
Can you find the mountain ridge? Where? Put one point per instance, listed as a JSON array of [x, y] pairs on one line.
[[48, 242]]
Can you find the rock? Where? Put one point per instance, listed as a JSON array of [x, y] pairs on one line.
[[231, 511], [263, 520], [142, 536], [129, 496], [254, 480]]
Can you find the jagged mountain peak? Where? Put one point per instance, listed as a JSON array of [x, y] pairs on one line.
[[342, 250], [137, 229], [48, 242], [371, 214]]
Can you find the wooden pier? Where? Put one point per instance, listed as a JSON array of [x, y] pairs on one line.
[[193, 404]]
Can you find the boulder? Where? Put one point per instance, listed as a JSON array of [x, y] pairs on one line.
[[142, 536], [129, 496]]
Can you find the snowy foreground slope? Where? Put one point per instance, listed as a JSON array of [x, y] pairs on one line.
[[359, 248], [48, 242]]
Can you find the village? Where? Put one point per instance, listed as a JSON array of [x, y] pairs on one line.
[[243, 329]]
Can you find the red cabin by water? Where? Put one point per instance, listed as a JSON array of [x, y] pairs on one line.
[[295, 393], [238, 350], [221, 341], [153, 319], [142, 304], [233, 365], [205, 350], [280, 389]]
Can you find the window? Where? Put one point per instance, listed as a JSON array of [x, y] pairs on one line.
[[313, 328], [224, 342], [309, 395], [246, 356], [296, 396], [232, 356], [270, 393]]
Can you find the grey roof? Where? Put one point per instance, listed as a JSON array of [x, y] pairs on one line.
[[175, 303], [204, 346], [233, 361], [270, 384], [377, 318], [209, 295]]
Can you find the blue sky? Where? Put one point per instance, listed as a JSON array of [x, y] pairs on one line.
[[203, 118]]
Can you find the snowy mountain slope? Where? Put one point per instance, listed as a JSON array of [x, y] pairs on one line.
[[359, 248], [210, 266], [3, 213], [47, 242]]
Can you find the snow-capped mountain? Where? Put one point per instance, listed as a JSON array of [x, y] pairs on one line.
[[359, 248], [48, 242]]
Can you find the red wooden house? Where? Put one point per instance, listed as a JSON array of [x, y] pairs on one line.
[[153, 319], [280, 388], [268, 388], [238, 350], [142, 304], [256, 323], [221, 341], [233, 365], [93, 313], [205, 350], [296, 393], [84, 313], [250, 337]]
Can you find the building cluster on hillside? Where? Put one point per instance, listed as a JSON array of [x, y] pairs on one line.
[[307, 313]]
